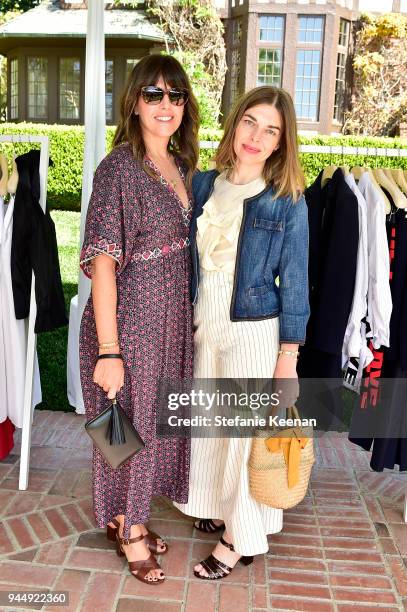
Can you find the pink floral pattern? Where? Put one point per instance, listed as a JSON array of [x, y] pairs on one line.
[[101, 245], [182, 243], [132, 213]]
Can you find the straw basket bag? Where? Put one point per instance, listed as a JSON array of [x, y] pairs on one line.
[[280, 464]]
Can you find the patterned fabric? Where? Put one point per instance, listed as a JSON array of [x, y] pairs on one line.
[[93, 250], [182, 243], [186, 212], [130, 213]]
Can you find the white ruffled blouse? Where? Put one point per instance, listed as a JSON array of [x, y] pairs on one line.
[[219, 225]]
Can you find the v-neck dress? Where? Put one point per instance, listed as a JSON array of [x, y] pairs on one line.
[[140, 221]]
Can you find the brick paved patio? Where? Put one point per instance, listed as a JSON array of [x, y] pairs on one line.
[[344, 548]]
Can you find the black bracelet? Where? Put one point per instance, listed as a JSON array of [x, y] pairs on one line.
[[110, 356]]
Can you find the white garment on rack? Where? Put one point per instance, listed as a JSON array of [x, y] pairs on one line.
[[379, 302], [352, 342], [13, 334], [354, 367]]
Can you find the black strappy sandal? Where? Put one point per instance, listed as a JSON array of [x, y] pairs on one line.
[[208, 526], [217, 569]]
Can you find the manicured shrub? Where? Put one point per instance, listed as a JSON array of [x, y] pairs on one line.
[[67, 142]]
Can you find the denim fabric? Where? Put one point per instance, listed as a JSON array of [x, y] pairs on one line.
[[273, 242]]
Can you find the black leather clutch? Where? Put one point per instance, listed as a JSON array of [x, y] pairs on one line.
[[114, 435]]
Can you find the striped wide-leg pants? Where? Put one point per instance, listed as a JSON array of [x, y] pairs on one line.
[[219, 484]]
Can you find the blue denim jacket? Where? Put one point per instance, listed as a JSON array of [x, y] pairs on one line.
[[273, 242]]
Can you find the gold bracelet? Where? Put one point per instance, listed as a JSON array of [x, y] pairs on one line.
[[290, 353], [104, 345]]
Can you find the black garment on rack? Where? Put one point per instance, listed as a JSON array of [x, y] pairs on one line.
[[34, 248], [333, 245], [333, 239], [387, 452]]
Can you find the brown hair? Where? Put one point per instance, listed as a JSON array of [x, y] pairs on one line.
[[184, 142], [282, 169]]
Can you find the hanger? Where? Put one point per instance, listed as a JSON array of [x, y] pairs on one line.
[[387, 203], [4, 175], [398, 196], [13, 179], [399, 177], [328, 174], [357, 172]]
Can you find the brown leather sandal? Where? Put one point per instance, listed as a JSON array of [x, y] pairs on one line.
[[151, 541], [111, 531], [151, 538], [142, 567], [217, 569]]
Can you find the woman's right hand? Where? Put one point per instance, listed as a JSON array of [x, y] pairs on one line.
[[109, 375]]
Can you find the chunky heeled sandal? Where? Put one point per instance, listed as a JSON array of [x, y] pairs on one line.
[[111, 531], [217, 569], [151, 541], [208, 526], [151, 538], [142, 567]]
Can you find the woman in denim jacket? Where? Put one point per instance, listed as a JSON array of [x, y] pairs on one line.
[[249, 240]]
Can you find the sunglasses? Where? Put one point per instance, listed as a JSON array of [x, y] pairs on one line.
[[153, 95]]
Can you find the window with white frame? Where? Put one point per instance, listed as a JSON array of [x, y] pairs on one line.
[[14, 88], [109, 65], [37, 80], [344, 29], [311, 29], [340, 79], [270, 54], [308, 66], [69, 88], [340, 86], [269, 67], [307, 84], [272, 28]]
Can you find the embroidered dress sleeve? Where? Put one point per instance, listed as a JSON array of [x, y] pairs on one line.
[[112, 219]]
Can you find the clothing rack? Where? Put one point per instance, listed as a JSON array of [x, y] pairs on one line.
[[342, 150], [332, 149], [31, 339]]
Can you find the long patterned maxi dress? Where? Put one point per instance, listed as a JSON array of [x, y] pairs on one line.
[[140, 222]]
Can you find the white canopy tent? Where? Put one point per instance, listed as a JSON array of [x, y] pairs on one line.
[[94, 151]]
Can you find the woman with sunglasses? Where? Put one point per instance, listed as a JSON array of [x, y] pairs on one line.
[[137, 324], [249, 241]]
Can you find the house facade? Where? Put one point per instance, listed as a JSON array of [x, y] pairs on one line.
[[45, 48], [304, 46]]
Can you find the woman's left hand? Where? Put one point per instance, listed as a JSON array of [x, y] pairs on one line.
[[286, 380]]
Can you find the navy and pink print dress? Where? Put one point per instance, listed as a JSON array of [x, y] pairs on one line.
[[140, 221]]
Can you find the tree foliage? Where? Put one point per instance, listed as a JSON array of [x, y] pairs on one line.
[[379, 97], [17, 5], [195, 37]]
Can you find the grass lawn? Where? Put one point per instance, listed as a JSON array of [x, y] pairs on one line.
[[52, 345]]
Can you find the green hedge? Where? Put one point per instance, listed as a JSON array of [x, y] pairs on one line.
[[67, 143]]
